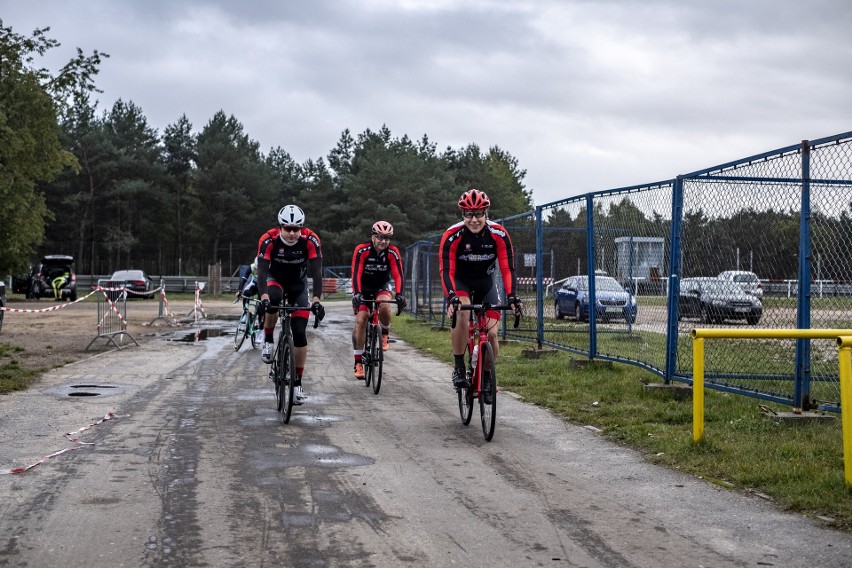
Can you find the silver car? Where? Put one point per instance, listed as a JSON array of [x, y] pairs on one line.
[[746, 280], [138, 283]]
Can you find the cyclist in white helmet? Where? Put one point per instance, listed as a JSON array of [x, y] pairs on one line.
[[286, 255]]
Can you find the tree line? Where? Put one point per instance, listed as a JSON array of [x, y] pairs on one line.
[[109, 189]]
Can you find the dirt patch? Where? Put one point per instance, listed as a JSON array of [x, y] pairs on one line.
[[49, 337]]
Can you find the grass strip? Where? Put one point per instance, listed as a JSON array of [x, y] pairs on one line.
[[799, 466]]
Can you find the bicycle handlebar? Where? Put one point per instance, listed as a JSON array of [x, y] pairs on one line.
[[483, 308], [272, 308], [377, 303]]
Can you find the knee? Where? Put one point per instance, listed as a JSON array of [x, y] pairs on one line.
[[299, 325]]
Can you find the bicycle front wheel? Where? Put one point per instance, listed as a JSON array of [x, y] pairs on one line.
[[242, 331], [377, 360], [487, 390], [277, 372], [288, 357], [254, 329], [466, 394], [367, 359]]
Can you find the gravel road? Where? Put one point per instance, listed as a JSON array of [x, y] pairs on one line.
[[195, 468]]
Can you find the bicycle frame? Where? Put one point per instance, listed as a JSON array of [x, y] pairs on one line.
[[283, 369], [480, 357], [373, 355], [477, 332], [249, 323]]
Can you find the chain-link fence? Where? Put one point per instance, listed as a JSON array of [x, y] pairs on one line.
[[763, 241], [782, 219], [622, 238]]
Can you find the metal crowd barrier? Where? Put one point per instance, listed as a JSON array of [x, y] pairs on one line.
[[112, 315]]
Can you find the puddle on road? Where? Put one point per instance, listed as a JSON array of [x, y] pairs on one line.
[[307, 455], [196, 335]]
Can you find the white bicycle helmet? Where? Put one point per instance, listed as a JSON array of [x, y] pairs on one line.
[[291, 216]]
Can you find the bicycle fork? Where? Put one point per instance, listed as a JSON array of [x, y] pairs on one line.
[[477, 360]]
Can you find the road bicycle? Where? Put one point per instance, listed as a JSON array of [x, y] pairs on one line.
[[373, 356], [283, 367], [249, 324], [481, 371]]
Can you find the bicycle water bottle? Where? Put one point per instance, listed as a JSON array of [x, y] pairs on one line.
[[474, 356]]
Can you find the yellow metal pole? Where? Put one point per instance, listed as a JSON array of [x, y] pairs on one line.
[[697, 389], [730, 333], [844, 355]]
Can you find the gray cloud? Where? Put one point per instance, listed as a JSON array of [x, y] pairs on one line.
[[586, 94]]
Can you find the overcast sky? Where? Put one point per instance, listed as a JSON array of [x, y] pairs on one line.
[[587, 95]]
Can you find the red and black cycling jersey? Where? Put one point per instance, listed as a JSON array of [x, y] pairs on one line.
[[372, 269], [269, 235], [471, 257], [289, 264]]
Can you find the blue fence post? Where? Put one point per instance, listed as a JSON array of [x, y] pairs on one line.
[[590, 271], [539, 277], [673, 288], [803, 301]]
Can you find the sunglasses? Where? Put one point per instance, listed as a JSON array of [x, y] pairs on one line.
[[472, 214], [382, 238], [291, 229]]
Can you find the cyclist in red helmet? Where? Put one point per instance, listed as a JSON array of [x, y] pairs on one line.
[[470, 252], [374, 264]]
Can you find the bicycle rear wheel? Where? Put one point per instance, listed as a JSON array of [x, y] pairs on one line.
[[242, 330], [487, 390], [288, 358], [466, 394]]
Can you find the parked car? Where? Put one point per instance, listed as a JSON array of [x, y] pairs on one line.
[[748, 281], [715, 300], [136, 281], [612, 301], [22, 284], [52, 277]]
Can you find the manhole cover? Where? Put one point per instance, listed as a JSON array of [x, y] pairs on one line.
[[90, 390], [86, 389]]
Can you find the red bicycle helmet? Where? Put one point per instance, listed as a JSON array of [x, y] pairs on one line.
[[474, 199], [382, 229]]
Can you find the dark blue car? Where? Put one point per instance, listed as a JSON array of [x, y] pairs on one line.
[[612, 301]]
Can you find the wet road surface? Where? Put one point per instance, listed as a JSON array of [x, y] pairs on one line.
[[197, 469]]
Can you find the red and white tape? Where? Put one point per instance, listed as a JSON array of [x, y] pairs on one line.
[[70, 436], [112, 306], [148, 293], [199, 307], [50, 309]]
